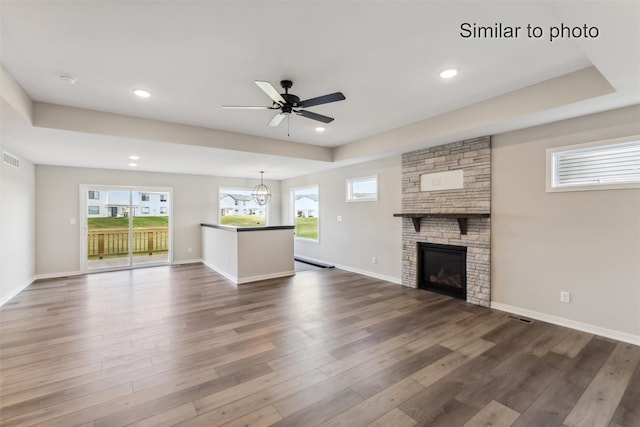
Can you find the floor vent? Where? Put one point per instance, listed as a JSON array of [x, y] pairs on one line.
[[10, 159], [520, 319]]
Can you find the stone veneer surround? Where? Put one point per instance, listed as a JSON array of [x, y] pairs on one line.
[[474, 158]]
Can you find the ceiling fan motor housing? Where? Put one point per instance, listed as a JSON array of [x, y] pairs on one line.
[[290, 99]]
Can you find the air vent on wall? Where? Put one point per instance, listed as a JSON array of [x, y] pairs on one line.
[[10, 159]]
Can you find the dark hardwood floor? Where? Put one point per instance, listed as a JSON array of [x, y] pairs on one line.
[[183, 346]]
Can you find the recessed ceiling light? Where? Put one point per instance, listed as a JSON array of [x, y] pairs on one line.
[[133, 164], [134, 157], [320, 129], [68, 79], [447, 74], [142, 93]]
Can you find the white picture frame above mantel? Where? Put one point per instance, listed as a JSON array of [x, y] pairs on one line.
[[450, 180]]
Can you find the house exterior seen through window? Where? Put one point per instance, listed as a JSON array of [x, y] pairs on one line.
[[238, 208], [306, 212], [115, 204]]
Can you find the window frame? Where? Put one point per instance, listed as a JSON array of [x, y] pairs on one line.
[[91, 207], [552, 173], [95, 193], [349, 189]]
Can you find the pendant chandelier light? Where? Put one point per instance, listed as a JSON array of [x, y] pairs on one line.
[[261, 193]]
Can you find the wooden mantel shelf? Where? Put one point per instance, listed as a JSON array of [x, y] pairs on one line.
[[461, 217]]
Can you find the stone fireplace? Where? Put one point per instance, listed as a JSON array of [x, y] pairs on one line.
[[448, 214]]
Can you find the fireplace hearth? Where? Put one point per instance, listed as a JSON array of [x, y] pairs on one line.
[[442, 269]]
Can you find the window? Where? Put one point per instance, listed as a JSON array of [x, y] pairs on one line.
[[144, 197], [94, 195], [145, 210], [363, 189], [163, 198], [595, 166], [94, 210], [163, 211], [306, 212], [237, 207]]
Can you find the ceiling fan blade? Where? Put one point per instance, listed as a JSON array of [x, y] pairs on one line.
[[239, 107], [276, 120], [325, 99], [314, 116], [271, 92]]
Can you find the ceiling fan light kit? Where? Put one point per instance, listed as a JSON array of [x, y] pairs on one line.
[[289, 103]]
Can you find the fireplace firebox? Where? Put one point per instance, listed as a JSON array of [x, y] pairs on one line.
[[443, 269]]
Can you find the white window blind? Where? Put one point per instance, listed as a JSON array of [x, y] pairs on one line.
[[613, 165]]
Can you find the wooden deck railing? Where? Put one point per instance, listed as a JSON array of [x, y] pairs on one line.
[[115, 241]]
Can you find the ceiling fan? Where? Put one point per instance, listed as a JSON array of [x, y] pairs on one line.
[[289, 103]]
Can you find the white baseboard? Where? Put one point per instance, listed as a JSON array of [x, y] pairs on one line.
[[188, 261], [231, 277], [266, 276], [58, 275], [561, 321], [238, 281], [395, 280], [16, 291]]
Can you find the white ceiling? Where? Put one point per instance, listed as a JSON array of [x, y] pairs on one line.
[[385, 56]]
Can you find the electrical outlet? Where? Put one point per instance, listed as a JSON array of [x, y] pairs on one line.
[[189, 250], [339, 218], [374, 260], [565, 297]]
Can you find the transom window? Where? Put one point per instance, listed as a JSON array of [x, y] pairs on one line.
[[596, 166], [364, 189]]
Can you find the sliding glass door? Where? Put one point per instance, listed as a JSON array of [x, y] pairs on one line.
[[125, 227]]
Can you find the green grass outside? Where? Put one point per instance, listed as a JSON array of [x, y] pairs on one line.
[[307, 228], [123, 222], [243, 220]]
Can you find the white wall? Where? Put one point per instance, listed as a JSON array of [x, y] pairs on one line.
[[587, 242], [17, 228], [195, 201], [367, 229]]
